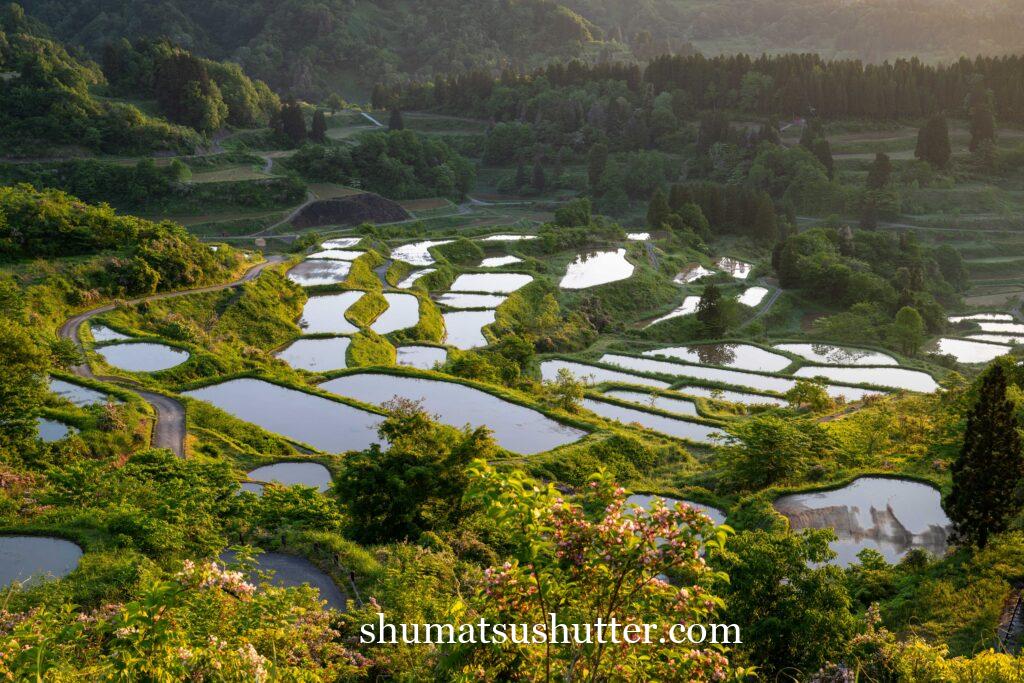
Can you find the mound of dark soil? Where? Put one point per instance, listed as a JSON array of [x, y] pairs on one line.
[[359, 208]]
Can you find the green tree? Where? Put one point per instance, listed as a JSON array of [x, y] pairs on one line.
[[810, 394], [22, 390], [988, 473], [769, 449], [565, 391], [951, 265], [574, 213], [933, 142], [293, 123], [711, 312], [908, 330], [597, 161], [822, 151], [658, 210], [982, 119], [318, 129], [540, 179], [765, 227], [417, 484], [336, 103], [520, 178], [396, 122], [880, 172]]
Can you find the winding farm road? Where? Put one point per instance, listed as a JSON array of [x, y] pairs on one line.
[[169, 431]]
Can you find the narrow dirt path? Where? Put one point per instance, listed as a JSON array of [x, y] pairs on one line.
[[169, 430]]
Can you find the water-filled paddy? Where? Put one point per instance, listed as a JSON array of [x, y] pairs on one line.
[[326, 314], [341, 243], [102, 333], [422, 357], [827, 354], [1011, 328], [680, 429], [507, 238], [516, 428], [490, 283], [740, 356], [403, 311], [897, 378], [458, 300], [730, 396], [597, 268], [638, 236], [412, 277], [322, 423], [142, 357], [679, 406], [891, 516], [752, 296], [645, 500], [589, 373], [499, 261], [417, 253], [1008, 339], [290, 571], [691, 274], [465, 328], [316, 355], [689, 307], [337, 255], [51, 430], [32, 559], [77, 394], [738, 269], [970, 351], [981, 316], [319, 272], [291, 473]]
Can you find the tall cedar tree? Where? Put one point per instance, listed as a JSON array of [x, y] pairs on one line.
[[988, 473], [657, 210], [983, 121], [933, 142], [396, 122], [520, 176], [711, 312], [597, 161], [822, 150], [540, 180], [293, 124], [880, 172], [765, 224], [318, 129]]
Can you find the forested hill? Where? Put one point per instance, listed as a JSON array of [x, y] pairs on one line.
[[311, 47]]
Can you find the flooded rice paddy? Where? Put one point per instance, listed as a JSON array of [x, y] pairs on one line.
[[33, 559], [414, 276], [689, 307], [51, 430], [680, 429], [403, 312], [737, 269], [290, 571], [311, 474], [422, 357], [752, 296], [417, 253], [457, 300], [465, 328], [316, 355], [143, 357], [319, 272], [499, 261], [895, 378], [595, 375], [490, 283], [970, 351], [77, 394], [739, 356], [596, 268], [679, 406], [326, 314], [828, 354], [102, 333]]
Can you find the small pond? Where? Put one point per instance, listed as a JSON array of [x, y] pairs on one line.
[[691, 273], [680, 429], [417, 253], [322, 423], [689, 307], [897, 378], [290, 571], [515, 427], [499, 261], [291, 473], [752, 296], [319, 272], [970, 351], [102, 333], [77, 394], [51, 430], [740, 356], [594, 375], [341, 243], [638, 236], [34, 559], [143, 356], [679, 406], [740, 397], [644, 500], [456, 300], [422, 357], [326, 314], [403, 311], [336, 255], [738, 269], [316, 355], [827, 354], [891, 516], [415, 275], [508, 238], [597, 268], [465, 328], [1010, 328], [491, 283]]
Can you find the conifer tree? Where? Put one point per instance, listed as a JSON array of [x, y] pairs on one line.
[[989, 470], [822, 150], [318, 129], [880, 172], [293, 124], [933, 142], [396, 122], [520, 176], [596, 163], [765, 224], [540, 179], [983, 121], [711, 311], [658, 210]]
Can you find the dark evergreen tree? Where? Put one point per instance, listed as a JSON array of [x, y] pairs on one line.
[[988, 473], [293, 123], [396, 122], [880, 172], [822, 151], [983, 120], [520, 180], [933, 142], [658, 210], [318, 129], [869, 216], [597, 161], [540, 179], [765, 225], [711, 312]]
